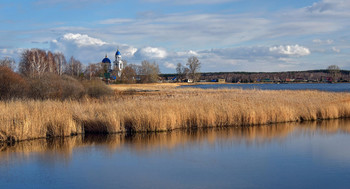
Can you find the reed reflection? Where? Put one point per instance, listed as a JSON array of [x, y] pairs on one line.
[[51, 150]]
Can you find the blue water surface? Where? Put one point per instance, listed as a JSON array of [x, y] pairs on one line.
[[293, 155], [333, 87]]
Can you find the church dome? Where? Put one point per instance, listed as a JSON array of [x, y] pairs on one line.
[[106, 60], [118, 53]]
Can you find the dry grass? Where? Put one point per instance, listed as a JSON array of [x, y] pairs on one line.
[[146, 86], [167, 110], [154, 86]]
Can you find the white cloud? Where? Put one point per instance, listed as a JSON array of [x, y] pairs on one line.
[[82, 40], [329, 41], [187, 53], [128, 51], [115, 21], [329, 7], [88, 49], [152, 53], [91, 50], [256, 58], [195, 31], [13, 53], [290, 50], [335, 50], [320, 7], [319, 41], [169, 65]]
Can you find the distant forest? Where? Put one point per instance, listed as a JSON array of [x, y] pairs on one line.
[[324, 75]]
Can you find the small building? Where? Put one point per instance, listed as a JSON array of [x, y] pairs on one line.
[[267, 80], [221, 80], [188, 80]]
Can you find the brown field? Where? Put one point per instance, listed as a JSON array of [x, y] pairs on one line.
[[155, 86], [146, 86], [165, 108]]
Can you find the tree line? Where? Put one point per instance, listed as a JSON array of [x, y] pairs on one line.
[[331, 74], [35, 63], [45, 75]]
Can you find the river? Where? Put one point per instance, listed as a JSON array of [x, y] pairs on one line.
[[333, 87], [291, 155]]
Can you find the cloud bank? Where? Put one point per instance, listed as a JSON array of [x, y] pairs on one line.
[[224, 40], [290, 50], [91, 50]]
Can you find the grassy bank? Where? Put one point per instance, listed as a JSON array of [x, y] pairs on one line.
[[166, 110]]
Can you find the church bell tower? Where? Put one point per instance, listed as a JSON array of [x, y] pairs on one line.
[[118, 63]]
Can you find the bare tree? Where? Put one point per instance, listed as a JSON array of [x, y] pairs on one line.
[[74, 67], [149, 72], [128, 74], [8, 62], [125, 63], [60, 62], [181, 71], [93, 70], [194, 68], [33, 63], [51, 64], [137, 68], [334, 70]]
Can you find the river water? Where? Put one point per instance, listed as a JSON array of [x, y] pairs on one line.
[[293, 155], [334, 87]]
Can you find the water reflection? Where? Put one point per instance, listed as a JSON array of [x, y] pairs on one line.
[[63, 148]]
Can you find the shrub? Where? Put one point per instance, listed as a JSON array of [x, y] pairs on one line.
[[12, 85], [97, 88], [47, 87], [52, 86], [71, 88]]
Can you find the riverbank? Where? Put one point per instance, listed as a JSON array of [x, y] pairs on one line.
[[143, 142], [166, 110]]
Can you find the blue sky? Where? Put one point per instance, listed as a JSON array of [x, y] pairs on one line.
[[226, 35]]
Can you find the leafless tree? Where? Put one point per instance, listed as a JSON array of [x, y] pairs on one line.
[[51, 68], [194, 67], [74, 67], [128, 75], [181, 71], [8, 62], [33, 63], [60, 62], [149, 72], [93, 70], [334, 70]]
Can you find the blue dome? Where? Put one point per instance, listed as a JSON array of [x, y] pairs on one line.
[[106, 60], [118, 53]]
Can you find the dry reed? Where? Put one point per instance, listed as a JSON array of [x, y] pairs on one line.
[[167, 110]]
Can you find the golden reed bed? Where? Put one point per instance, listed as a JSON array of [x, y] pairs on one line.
[[166, 110]]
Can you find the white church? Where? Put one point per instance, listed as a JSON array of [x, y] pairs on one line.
[[116, 67]]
